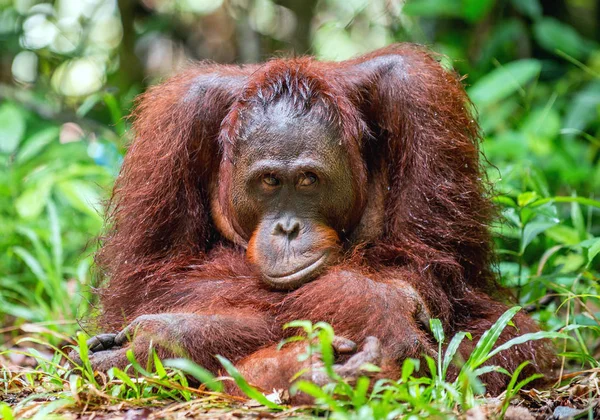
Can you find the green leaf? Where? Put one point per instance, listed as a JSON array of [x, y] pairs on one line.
[[6, 412], [12, 127], [82, 196], [87, 369], [45, 410], [437, 329], [578, 220], [593, 248], [532, 230], [562, 199], [32, 201], [88, 104], [197, 371], [433, 8], [307, 326], [542, 123], [246, 388], [158, 365], [361, 389], [504, 81], [540, 335], [531, 8], [582, 108], [482, 350], [55, 238], [564, 235], [511, 390], [554, 36], [408, 367], [505, 201], [31, 262], [325, 344], [451, 351], [474, 10], [431, 365], [36, 143], [316, 392], [126, 380], [526, 198]]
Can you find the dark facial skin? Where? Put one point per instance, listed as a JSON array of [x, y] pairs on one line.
[[292, 194]]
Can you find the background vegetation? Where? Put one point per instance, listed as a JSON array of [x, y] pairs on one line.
[[69, 70]]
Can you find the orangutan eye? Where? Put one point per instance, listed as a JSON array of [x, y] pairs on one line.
[[270, 180], [307, 179]]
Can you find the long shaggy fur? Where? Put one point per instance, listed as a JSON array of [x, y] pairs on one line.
[[409, 130]]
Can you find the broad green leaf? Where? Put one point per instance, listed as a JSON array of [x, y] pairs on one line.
[[482, 349], [564, 235], [88, 104], [554, 36], [31, 203], [542, 123], [83, 350], [82, 196], [408, 367], [504, 200], [36, 143], [12, 127], [526, 198], [504, 81], [532, 230], [582, 110], [135, 364]]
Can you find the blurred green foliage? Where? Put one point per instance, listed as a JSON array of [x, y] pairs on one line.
[[69, 70]]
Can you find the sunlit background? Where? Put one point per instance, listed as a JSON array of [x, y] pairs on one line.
[[70, 69]]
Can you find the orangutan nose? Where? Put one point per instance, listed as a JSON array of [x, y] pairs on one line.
[[289, 227]]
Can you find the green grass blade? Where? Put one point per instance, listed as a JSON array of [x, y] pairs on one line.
[[246, 388], [451, 351], [489, 338], [540, 335], [197, 371]]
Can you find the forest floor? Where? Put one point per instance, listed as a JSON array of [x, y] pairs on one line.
[[29, 391], [565, 403], [36, 382]]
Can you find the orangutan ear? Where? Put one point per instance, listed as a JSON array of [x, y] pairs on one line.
[[161, 201], [425, 135]]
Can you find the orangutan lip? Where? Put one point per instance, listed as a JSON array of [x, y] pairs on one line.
[[291, 280]]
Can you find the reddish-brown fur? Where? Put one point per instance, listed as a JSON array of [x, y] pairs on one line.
[[413, 146]]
